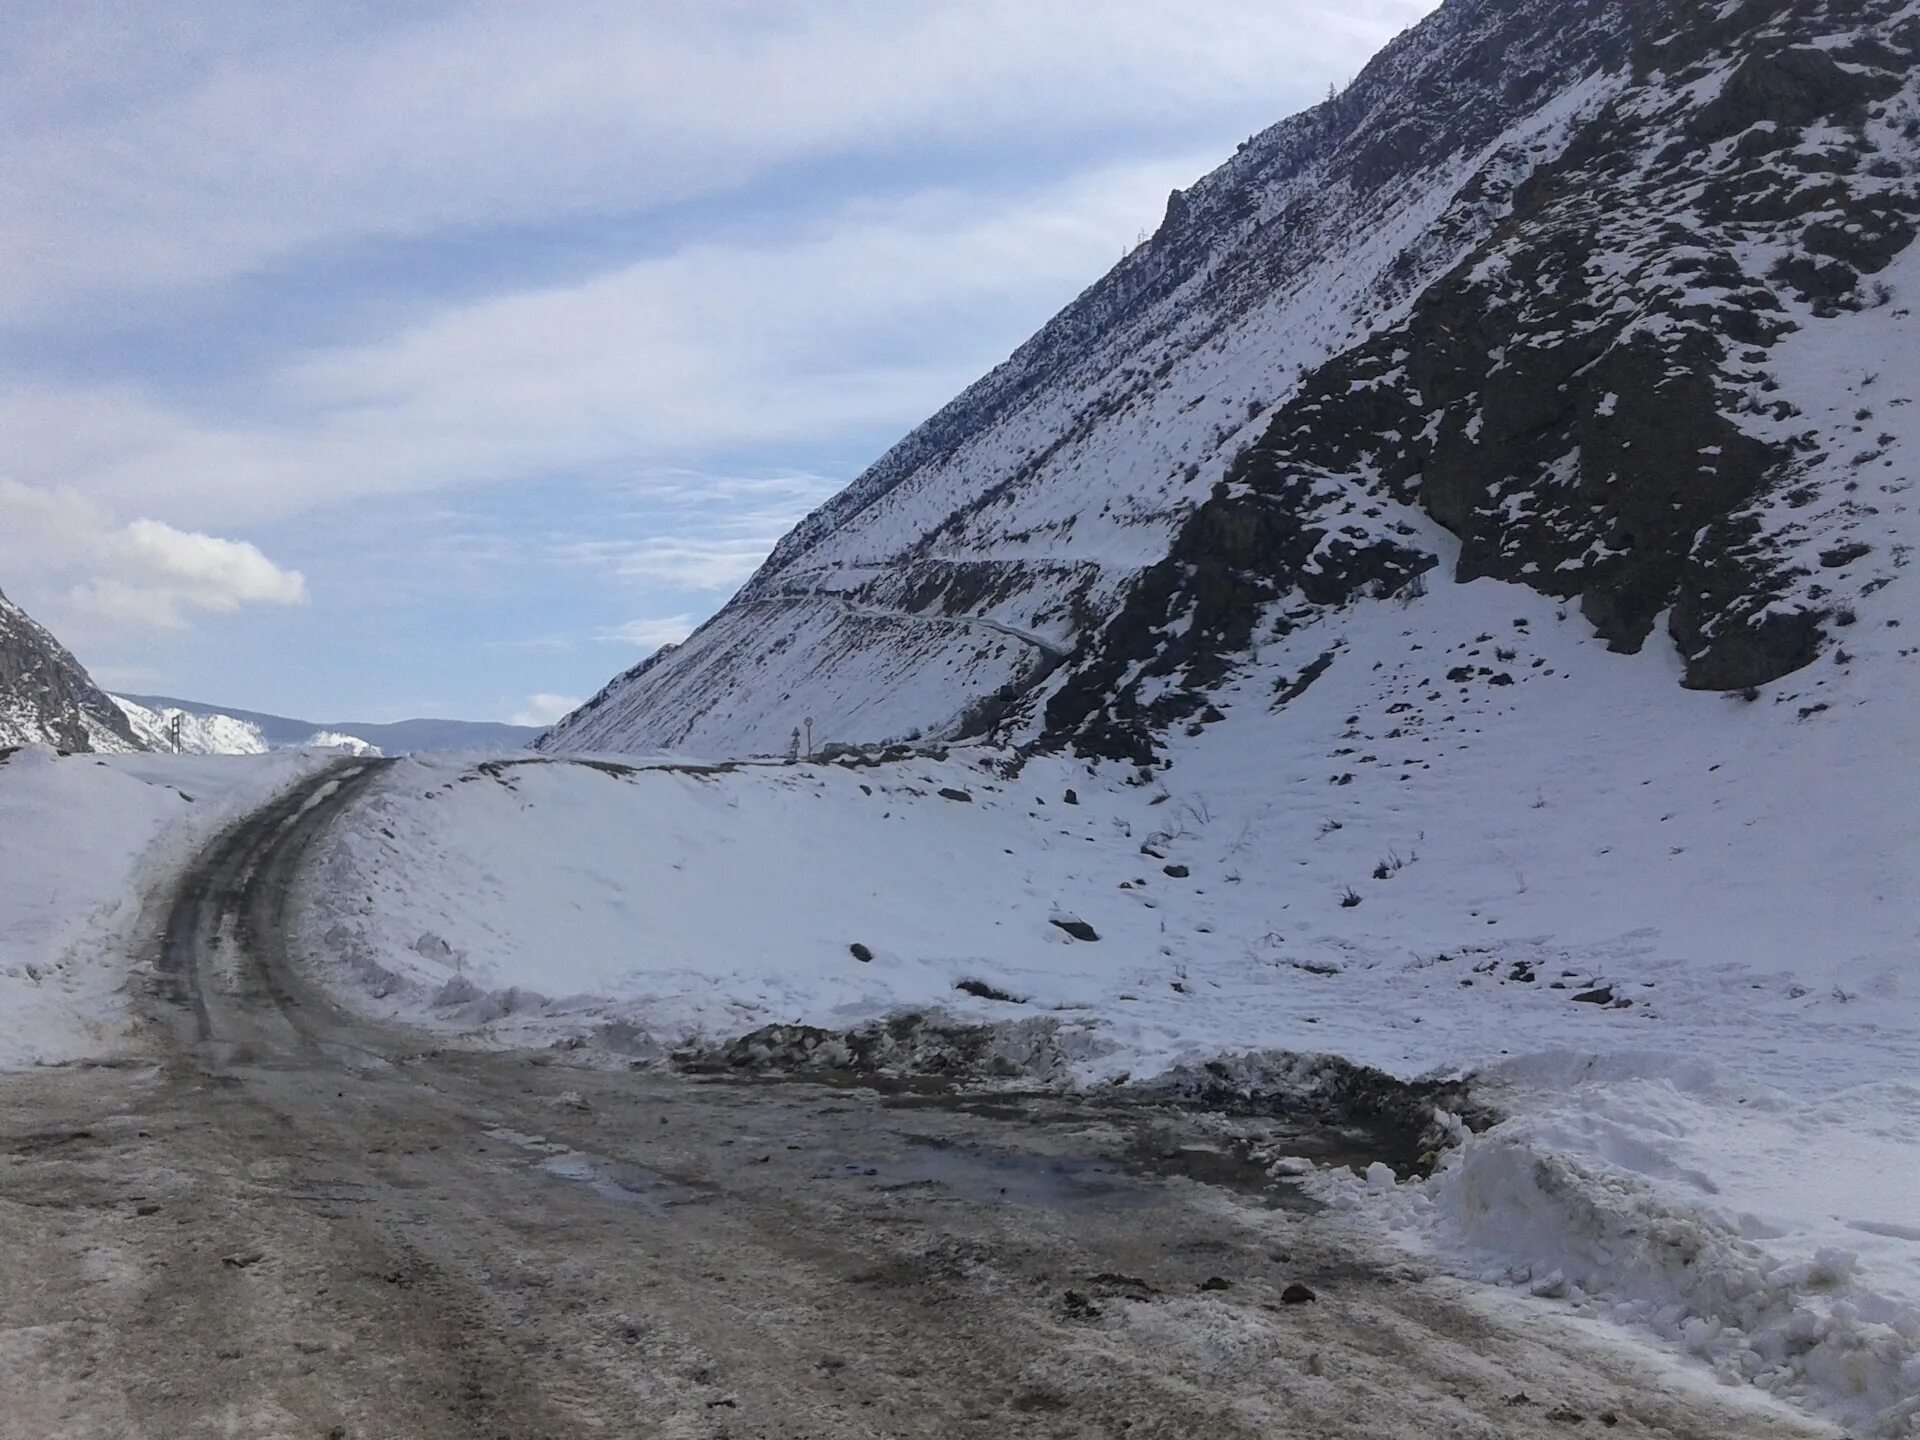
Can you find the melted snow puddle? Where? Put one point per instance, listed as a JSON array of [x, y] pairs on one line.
[[989, 1175], [620, 1182], [617, 1181]]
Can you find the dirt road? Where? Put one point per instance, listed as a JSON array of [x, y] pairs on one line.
[[286, 1221]]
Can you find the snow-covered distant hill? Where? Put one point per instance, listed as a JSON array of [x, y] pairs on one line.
[[398, 737], [346, 744], [211, 732], [1611, 296], [45, 695], [199, 734]]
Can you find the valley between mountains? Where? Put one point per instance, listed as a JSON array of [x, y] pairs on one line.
[[1333, 848], [271, 1217]]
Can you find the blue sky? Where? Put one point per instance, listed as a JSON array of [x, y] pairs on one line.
[[365, 361]]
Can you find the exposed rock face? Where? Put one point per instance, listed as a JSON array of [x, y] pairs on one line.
[[949, 578], [1587, 401], [46, 697], [1510, 307]]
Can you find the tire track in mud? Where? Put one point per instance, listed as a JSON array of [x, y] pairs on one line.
[[306, 1224]]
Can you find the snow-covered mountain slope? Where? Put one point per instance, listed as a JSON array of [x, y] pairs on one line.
[[1672, 934], [1540, 275], [1033, 500], [209, 734], [392, 737], [45, 695], [1674, 389]]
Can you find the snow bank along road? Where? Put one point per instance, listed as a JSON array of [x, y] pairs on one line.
[[299, 1223]]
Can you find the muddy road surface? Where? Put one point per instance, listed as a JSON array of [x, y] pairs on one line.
[[283, 1221]]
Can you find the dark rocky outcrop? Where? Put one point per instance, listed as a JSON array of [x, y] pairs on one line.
[[46, 696], [1572, 399]]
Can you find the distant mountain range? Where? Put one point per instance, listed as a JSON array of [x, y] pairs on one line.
[[47, 697], [277, 732]]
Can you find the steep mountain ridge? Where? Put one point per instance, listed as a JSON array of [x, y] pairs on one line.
[[47, 697], [1535, 276], [1003, 532], [1603, 402]]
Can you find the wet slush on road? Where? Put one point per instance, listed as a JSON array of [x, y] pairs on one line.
[[290, 1221]]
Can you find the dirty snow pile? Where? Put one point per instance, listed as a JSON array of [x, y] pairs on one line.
[[83, 838]]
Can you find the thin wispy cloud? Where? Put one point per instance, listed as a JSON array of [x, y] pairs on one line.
[[710, 350], [651, 634], [219, 140], [543, 709]]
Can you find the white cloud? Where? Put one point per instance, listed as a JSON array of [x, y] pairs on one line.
[[651, 634], [143, 574], [214, 574], [675, 562], [544, 709]]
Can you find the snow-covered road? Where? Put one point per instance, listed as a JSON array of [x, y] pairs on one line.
[[298, 1222]]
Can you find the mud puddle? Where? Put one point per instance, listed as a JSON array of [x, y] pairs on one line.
[[617, 1182], [993, 1175], [1112, 1146]]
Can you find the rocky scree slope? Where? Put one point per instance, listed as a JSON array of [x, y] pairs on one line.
[[1517, 299], [1604, 400], [47, 698]]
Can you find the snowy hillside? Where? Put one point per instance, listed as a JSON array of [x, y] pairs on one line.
[[1542, 274], [1667, 393], [391, 737], [1671, 934], [45, 695], [1034, 499], [345, 744], [199, 734]]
